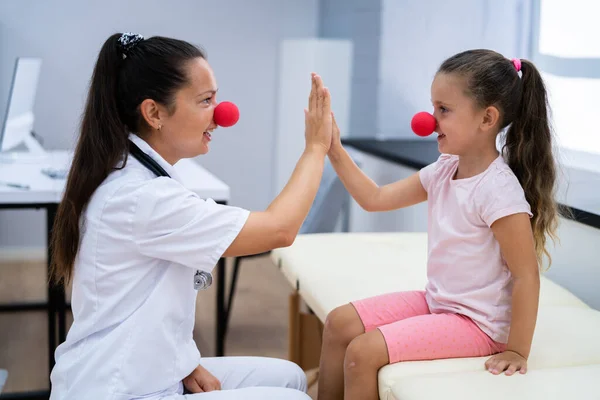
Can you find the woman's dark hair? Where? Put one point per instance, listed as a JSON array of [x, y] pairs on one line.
[[493, 80], [129, 70]]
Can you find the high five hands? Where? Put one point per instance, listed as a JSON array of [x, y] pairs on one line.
[[318, 117]]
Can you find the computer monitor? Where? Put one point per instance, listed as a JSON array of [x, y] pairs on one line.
[[17, 126]]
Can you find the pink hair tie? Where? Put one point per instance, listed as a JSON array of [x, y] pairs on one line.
[[517, 63]]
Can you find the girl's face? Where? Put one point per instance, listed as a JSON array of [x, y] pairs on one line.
[[458, 117], [186, 131]]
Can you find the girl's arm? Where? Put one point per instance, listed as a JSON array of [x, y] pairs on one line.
[[368, 194], [515, 237]]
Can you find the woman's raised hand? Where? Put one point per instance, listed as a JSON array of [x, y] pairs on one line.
[[318, 119]]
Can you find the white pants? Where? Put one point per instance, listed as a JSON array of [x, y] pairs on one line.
[[251, 378]]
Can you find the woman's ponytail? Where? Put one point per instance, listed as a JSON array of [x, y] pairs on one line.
[[129, 70], [102, 143]]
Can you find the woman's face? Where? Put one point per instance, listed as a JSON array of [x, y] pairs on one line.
[[186, 131]]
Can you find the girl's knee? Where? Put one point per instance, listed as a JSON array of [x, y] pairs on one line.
[[356, 353], [342, 325], [367, 351]]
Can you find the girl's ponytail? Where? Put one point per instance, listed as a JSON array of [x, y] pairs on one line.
[[529, 150], [493, 80]]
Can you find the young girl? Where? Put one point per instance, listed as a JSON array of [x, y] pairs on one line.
[[489, 214]]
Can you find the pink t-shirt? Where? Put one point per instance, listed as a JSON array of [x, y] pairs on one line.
[[465, 269]]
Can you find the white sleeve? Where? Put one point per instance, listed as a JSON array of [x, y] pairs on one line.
[[172, 223]]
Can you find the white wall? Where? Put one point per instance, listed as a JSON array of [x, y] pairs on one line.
[[332, 58], [417, 36], [399, 44], [242, 41], [575, 262], [360, 22]]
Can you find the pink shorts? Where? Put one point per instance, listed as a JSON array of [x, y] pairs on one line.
[[412, 333]]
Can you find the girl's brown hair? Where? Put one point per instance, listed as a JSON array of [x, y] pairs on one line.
[[493, 80]]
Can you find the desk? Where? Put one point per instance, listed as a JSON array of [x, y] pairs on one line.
[[583, 204], [46, 193]]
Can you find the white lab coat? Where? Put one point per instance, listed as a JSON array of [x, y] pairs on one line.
[[133, 301]]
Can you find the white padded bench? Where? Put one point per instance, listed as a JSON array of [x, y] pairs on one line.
[[330, 270]]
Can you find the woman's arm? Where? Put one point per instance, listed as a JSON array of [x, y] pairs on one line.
[[279, 224], [368, 194], [517, 245]]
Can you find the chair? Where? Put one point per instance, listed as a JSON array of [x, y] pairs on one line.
[[331, 199]]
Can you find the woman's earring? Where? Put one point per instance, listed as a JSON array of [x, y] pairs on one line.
[[159, 127]]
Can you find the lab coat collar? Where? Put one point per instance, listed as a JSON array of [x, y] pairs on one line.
[[145, 147]]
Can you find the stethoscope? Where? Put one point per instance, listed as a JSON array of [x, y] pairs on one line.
[[202, 280]]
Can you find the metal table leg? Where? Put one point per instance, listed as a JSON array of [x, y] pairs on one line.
[[221, 311]]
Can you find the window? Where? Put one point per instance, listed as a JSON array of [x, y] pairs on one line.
[[566, 48]]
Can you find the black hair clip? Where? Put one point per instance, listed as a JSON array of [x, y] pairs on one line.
[[128, 41]]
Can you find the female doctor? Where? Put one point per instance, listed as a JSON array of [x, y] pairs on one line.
[[131, 238]]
